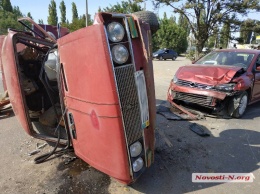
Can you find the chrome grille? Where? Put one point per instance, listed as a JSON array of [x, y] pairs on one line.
[[192, 84], [193, 98], [129, 102]]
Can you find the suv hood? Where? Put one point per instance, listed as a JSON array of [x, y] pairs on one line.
[[209, 75]]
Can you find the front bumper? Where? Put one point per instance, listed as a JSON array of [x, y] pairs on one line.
[[202, 97]]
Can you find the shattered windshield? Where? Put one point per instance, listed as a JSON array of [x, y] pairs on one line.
[[231, 58]]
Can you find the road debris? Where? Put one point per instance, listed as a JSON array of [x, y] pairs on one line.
[[198, 130], [166, 112], [34, 152], [40, 146]]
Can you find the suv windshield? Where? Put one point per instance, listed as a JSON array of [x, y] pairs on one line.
[[231, 58]]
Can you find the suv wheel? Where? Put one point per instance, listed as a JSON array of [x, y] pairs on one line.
[[173, 58]]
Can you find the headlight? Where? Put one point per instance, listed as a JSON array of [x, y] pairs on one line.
[[138, 164], [136, 149], [175, 79], [116, 32], [225, 87], [155, 55], [120, 53]]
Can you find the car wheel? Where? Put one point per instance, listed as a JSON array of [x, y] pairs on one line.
[[238, 104], [161, 58], [150, 18], [173, 58]]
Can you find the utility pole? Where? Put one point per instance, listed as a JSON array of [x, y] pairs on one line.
[[86, 12]]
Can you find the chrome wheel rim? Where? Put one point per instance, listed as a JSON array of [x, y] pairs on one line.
[[242, 105]]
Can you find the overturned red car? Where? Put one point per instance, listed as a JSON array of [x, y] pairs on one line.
[[225, 79], [90, 91]]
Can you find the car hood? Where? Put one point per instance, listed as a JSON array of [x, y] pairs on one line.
[[204, 74]]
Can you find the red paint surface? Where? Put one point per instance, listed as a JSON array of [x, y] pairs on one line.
[[93, 101], [210, 75], [12, 82]]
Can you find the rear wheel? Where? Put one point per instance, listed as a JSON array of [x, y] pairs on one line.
[[238, 104], [150, 18]]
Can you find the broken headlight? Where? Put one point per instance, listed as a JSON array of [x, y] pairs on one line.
[[175, 79], [225, 87]]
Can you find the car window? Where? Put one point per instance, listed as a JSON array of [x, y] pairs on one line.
[[231, 58]]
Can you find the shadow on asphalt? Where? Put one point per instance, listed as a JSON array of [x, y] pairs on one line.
[[234, 150]]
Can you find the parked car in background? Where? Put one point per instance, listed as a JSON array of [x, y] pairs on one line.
[[224, 79], [164, 54]]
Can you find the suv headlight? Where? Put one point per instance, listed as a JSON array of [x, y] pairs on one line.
[[120, 54], [116, 31], [155, 55], [136, 149], [225, 87]]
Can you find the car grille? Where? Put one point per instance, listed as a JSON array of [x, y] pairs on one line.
[[193, 98], [129, 102], [192, 84]]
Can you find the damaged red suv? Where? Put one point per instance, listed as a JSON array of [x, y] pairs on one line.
[[227, 79]]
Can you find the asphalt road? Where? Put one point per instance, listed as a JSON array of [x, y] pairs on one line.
[[232, 147]]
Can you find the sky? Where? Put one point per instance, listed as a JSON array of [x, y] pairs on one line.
[[39, 8]]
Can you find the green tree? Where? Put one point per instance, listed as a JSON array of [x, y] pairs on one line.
[[29, 15], [8, 20], [17, 12], [52, 18], [6, 5], [75, 15], [40, 21], [209, 13], [183, 22], [125, 7], [170, 35], [247, 29], [63, 12], [224, 35]]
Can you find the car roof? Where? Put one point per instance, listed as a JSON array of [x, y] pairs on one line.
[[253, 51]]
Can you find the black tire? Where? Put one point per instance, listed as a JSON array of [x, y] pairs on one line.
[[161, 58], [173, 58], [150, 18], [238, 104]]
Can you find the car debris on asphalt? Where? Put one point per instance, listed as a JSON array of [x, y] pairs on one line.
[[177, 112], [198, 130]]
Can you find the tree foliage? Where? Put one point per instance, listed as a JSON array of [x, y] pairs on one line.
[[248, 31], [75, 15], [123, 7], [204, 15], [6, 5], [170, 35], [9, 16], [52, 18], [224, 35], [63, 12]]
